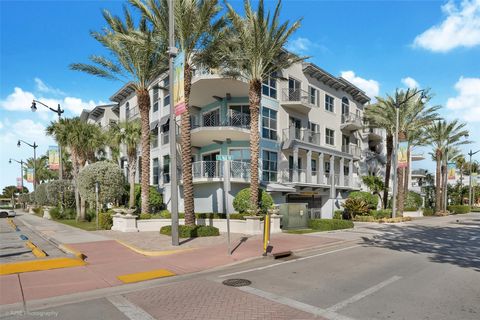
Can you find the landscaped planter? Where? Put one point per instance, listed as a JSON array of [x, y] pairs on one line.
[[413, 214]]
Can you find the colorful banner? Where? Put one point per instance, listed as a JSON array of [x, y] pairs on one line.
[[178, 84], [53, 158], [402, 154], [474, 179], [29, 175], [451, 171], [20, 184]]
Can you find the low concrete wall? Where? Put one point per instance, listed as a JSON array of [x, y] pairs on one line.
[[413, 214]]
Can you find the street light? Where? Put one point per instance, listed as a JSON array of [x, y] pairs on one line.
[[21, 169], [34, 146], [59, 111], [423, 98], [471, 153]]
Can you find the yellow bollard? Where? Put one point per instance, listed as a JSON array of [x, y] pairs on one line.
[[266, 233]]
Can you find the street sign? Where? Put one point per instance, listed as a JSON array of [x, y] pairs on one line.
[[224, 157]]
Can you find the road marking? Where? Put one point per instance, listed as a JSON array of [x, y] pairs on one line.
[[363, 294], [289, 261], [130, 310], [146, 275], [325, 313], [473, 238]]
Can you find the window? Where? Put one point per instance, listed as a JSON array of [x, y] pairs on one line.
[[313, 96], [166, 98], [327, 167], [269, 172], [313, 127], [346, 170], [155, 99], [240, 154], [165, 132], [314, 165], [154, 138], [269, 86], [127, 110], [329, 103], [269, 124], [155, 167], [166, 169], [330, 137]]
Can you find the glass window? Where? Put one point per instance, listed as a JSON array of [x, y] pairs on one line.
[[269, 124], [330, 137], [269, 166], [127, 110], [314, 165], [240, 154], [155, 168], [313, 96], [269, 86], [166, 169], [165, 132], [329, 103], [345, 170], [327, 167], [155, 99], [345, 106], [154, 138]]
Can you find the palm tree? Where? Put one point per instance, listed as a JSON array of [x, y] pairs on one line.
[[375, 185], [413, 114], [196, 34], [253, 51], [460, 163], [42, 173], [129, 134], [444, 135], [138, 57]]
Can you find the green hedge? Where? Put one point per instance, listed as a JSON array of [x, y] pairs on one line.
[[241, 202], [428, 212], [155, 200], [191, 231], [379, 214], [338, 214], [413, 201], [475, 209], [458, 209], [105, 220], [329, 224], [165, 214], [370, 199]]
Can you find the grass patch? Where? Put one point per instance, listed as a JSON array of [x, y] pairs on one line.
[[329, 224], [84, 225], [300, 231]]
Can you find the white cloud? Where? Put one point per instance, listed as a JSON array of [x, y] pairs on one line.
[[302, 45], [44, 88], [1, 125], [467, 103], [25, 129], [410, 83], [461, 28], [371, 87]]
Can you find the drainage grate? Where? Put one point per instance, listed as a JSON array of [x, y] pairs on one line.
[[237, 282]]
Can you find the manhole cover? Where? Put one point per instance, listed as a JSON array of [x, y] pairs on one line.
[[237, 282]]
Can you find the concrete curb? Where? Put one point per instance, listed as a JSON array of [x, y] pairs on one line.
[[153, 253], [39, 265]]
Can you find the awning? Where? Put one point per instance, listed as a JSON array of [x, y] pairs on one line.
[[277, 187], [164, 120], [154, 125]]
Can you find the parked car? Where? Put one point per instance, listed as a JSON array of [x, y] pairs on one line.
[[7, 213]]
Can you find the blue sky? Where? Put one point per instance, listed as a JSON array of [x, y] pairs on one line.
[[377, 45]]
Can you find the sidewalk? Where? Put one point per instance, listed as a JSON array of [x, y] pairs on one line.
[[107, 259]]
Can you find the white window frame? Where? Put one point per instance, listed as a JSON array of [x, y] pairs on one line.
[[328, 137]]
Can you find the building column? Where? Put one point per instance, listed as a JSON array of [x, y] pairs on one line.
[[332, 170], [226, 185], [341, 180], [350, 173], [295, 165], [320, 171], [309, 166]]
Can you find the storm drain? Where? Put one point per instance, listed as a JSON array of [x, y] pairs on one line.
[[237, 282]]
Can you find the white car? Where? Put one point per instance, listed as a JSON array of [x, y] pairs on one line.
[[11, 213], [7, 213]]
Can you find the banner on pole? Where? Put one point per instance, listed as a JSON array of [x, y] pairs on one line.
[[53, 158], [20, 184], [474, 178], [178, 84], [402, 153], [29, 175], [451, 171]]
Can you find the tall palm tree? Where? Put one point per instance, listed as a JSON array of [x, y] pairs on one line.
[[197, 35], [138, 56], [460, 163], [253, 51], [129, 134], [42, 173], [413, 114], [444, 135]]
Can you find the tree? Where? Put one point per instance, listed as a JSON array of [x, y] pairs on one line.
[[375, 185], [442, 135], [413, 114], [42, 171], [9, 191], [254, 50], [138, 57], [460, 163], [197, 35], [129, 134]]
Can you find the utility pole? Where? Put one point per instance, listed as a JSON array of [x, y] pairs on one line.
[[471, 153]]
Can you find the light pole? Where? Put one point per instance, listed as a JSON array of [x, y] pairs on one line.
[[471, 153], [34, 146], [395, 162], [59, 112], [21, 169]]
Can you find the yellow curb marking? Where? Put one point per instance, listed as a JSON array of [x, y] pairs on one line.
[[37, 265], [147, 275], [73, 251], [37, 252], [153, 253], [12, 224]]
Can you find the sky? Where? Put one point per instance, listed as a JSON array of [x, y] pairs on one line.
[[377, 45]]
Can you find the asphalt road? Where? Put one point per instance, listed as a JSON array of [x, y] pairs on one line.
[[429, 269]]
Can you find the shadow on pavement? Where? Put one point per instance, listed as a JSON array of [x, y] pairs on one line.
[[457, 244]]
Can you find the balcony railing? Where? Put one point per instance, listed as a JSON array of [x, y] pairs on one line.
[[352, 118], [298, 95], [351, 149], [301, 134], [234, 119], [240, 170], [132, 112], [207, 169]]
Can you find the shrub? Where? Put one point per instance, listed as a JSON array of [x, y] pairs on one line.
[[370, 199], [41, 197], [61, 192], [329, 224], [145, 216], [38, 211], [428, 212], [156, 198], [191, 231], [105, 220], [475, 209], [364, 219], [379, 214], [338, 214], [110, 178], [241, 202], [413, 201], [90, 215], [459, 209], [355, 206]]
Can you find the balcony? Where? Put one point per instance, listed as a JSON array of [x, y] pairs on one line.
[[347, 183], [375, 135], [132, 113], [297, 100], [300, 134], [352, 150], [418, 156], [288, 176], [213, 171], [236, 127], [208, 85], [351, 122]]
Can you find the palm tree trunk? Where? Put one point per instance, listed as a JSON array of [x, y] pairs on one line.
[[132, 164], [83, 205], [254, 97], [144, 106], [407, 173], [75, 171], [438, 193], [444, 185], [186, 143], [388, 169], [402, 136]]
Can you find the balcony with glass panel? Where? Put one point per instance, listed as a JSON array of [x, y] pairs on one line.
[[352, 150], [214, 171], [351, 122], [301, 135], [297, 100]]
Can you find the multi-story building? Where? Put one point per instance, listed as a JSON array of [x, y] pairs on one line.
[[313, 146]]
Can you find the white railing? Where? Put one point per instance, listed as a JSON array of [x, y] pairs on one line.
[[132, 112], [298, 95], [234, 119], [352, 150], [351, 118], [207, 169], [240, 170], [301, 134]]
